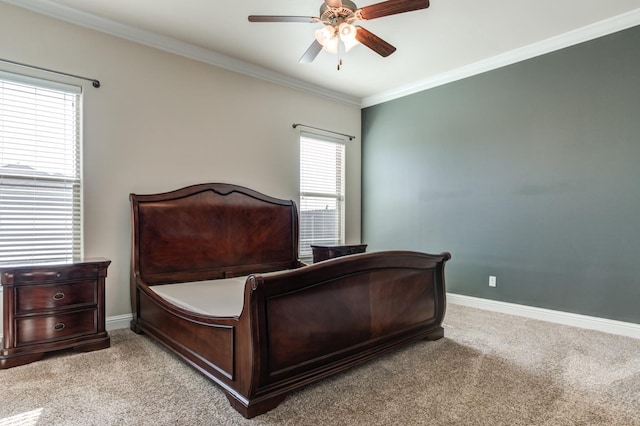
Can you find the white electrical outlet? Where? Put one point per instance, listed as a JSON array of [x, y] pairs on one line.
[[492, 281]]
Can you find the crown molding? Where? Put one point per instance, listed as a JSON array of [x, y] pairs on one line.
[[177, 47], [580, 35]]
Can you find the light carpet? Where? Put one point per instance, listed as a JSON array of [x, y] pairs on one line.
[[490, 369]]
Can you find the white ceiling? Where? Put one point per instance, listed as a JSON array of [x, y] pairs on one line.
[[451, 38]]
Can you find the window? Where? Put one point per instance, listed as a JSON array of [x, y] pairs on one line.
[[322, 166], [40, 178]]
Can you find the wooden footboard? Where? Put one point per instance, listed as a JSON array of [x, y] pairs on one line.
[[317, 321]]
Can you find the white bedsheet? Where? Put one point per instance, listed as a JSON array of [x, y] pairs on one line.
[[221, 298]]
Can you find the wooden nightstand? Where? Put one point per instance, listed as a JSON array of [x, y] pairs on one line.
[[329, 252], [49, 307]]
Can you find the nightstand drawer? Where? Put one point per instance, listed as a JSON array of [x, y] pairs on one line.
[[38, 297], [54, 274], [48, 328]]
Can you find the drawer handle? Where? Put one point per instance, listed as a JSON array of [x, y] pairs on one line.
[[58, 275], [59, 326], [58, 296]]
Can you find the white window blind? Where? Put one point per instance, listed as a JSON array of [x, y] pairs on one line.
[[40, 177], [322, 192]]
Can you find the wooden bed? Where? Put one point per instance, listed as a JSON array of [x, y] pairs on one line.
[[215, 277]]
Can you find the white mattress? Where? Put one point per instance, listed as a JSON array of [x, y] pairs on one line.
[[221, 298]]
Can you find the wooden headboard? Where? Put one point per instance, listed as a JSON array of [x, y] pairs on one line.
[[210, 231]]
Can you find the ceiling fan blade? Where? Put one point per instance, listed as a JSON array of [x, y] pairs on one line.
[[374, 42], [274, 18], [333, 3], [391, 7], [311, 53]]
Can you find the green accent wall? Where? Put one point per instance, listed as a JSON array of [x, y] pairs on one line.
[[530, 172]]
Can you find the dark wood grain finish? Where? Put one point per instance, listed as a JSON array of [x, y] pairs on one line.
[[392, 7], [374, 42], [50, 328], [212, 231], [29, 274], [213, 339], [347, 309], [300, 323], [55, 296], [321, 253], [52, 307]]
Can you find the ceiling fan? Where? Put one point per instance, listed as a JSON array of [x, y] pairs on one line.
[[338, 17]]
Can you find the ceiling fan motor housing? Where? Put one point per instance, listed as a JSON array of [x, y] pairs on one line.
[[345, 4], [336, 15]]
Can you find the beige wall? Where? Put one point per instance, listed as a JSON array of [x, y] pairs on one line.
[[161, 121]]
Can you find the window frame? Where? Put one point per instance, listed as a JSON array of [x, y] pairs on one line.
[[337, 180], [64, 204]]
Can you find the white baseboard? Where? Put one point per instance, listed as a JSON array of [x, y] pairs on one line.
[[119, 321], [566, 318]]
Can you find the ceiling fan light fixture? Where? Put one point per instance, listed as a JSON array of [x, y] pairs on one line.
[[347, 31], [324, 34], [327, 37], [332, 45], [348, 35], [350, 44]]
